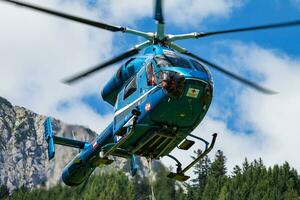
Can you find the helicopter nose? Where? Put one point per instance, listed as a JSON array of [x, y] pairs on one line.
[[172, 82]]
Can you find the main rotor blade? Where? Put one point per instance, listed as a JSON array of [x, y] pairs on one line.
[[158, 12], [125, 55], [114, 60], [263, 27], [67, 16], [231, 75]]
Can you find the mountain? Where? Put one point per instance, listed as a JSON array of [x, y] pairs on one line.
[[23, 151]]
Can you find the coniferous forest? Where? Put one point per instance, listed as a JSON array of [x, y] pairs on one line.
[[212, 181]]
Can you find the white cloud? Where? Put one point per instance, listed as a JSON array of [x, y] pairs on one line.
[[177, 12], [38, 51], [193, 12], [275, 118], [126, 11], [296, 3], [235, 145]]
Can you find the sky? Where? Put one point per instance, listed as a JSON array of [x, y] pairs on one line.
[[37, 51]]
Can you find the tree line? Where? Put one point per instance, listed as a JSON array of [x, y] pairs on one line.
[[249, 181]]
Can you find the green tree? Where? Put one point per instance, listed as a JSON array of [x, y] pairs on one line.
[[164, 187], [216, 177], [251, 181], [110, 186], [3, 192], [201, 172], [141, 187], [291, 193]]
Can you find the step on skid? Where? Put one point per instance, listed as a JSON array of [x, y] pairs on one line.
[[179, 175]]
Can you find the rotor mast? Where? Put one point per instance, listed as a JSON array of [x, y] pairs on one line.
[[159, 36], [160, 24]]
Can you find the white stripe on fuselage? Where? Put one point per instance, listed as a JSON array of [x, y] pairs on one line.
[[132, 103], [138, 99]]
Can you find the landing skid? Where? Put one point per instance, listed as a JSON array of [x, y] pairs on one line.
[[179, 175]]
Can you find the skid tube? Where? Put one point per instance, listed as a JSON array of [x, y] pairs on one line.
[[179, 175]]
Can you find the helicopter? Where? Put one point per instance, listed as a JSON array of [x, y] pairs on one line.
[[159, 98]]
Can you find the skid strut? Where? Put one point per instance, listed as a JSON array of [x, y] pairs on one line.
[[179, 175]]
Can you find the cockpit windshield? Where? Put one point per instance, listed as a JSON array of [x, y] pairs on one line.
[[171, 61], [161, 61]]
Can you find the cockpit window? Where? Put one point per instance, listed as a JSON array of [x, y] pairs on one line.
[[198, 66], [171, 60], [177, 61], [151, 77], [161, 61]]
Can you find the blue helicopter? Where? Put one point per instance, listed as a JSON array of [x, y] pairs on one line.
[[159, 98]]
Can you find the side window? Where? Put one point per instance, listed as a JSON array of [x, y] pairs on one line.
[[151, 78], [130, 88]]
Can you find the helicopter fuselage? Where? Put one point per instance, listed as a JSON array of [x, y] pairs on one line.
[[159, 98], [156, 108]]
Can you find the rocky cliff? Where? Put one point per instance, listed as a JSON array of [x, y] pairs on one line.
[[23, 151]]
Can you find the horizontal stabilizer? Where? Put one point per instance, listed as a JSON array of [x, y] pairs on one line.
[[51, 140], [70, 142], [133, 166]]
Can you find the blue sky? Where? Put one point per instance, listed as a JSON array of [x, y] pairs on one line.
[[41, 51], [250, 13]]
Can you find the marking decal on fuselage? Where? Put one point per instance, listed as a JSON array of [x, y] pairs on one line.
[[95, 145], [192, 92]]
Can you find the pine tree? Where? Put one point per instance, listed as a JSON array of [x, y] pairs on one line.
[[245, 165], [3, 192], [141, 187], [164, 187], [250, 181], [216, 177], [102, 186], [201, 171], [291, 192], [236, 171]]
